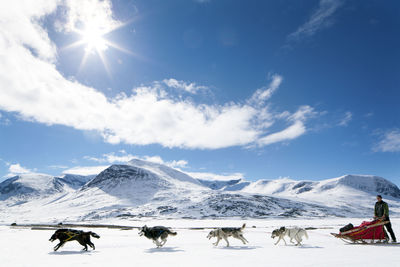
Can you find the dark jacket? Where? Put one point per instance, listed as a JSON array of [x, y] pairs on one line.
[[382, 208]]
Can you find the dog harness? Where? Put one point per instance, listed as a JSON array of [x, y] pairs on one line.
[[70, 235]]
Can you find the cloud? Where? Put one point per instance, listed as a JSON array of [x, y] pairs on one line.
[[346, 119], [16, 169], [85, 14], [213, 176], [295, 130], [389, 142], [33, 88], [188, 87], [86, 170], [265, 93], [58, 167], [123, 157], [321, 18]]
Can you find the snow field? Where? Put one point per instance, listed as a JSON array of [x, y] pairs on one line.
[[24, 247]]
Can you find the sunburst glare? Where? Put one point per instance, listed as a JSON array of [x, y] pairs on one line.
[[92, 38]]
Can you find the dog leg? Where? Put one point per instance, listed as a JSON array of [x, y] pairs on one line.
[[227, 242], [298, 240], [57, 246], [216, 243], [279, 239], [244, 240], [91, 245]]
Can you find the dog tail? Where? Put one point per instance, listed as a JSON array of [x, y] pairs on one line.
[[243, 226], [305, 234], [172, 233]]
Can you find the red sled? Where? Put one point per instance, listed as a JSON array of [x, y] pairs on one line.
[[367, 233]]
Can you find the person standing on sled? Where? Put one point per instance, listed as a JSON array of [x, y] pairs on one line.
[[382, 213]]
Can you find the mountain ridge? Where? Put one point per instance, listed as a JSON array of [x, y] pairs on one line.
[[144, 189]]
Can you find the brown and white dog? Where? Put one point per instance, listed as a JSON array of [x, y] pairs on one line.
[[225, 232], [292, 233]]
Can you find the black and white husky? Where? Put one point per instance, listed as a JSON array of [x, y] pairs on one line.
[[158, 234], [292, 233], [225, 232]]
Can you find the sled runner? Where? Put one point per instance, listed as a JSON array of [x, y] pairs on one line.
[[366, 233]]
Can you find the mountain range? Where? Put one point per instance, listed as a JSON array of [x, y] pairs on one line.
[[140, 189]]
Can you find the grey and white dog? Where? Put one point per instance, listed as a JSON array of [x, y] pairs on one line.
[[158, 234], [293, 233], [225, 232]]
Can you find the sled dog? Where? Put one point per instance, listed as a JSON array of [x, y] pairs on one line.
[[292, 233], [66, 235], [158, 234], [225, 232]]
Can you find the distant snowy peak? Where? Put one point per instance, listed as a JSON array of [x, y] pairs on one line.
[[225, 185], [29, 185], [164, 171], [75, 181], [122, 175], [370, 184], [287, 187]]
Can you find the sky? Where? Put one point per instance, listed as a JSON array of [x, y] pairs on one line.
[[216, 88]]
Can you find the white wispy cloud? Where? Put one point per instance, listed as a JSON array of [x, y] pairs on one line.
[[294, 130], [32, 87], [192, 88], [321, 18], [348, 116], [58, 167], [123, 157], [388, 142], [86, 170], [263, 94], [214, 176], [16, 169]]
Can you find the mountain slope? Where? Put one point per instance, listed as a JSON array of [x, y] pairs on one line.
[[144, 189], [29, 185]]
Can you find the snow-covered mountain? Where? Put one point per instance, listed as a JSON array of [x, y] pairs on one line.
[[144, 189], [75, 181], [287, 187], [29, 185]]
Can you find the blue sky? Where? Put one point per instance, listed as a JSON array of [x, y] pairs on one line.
[[254, 89]]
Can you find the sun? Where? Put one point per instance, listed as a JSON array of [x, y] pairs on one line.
[[93, 39]]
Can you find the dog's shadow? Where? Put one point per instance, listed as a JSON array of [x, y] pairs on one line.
[[71, 252], [163, 249], [238, 247]]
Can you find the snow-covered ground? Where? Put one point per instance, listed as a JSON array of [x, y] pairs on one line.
[[31, 248]]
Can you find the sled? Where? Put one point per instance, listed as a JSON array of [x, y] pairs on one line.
[[366, 233]]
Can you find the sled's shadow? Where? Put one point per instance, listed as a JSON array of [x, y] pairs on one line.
[[308, 246], [238, 247], [301, 246], [163, 249], [71, 252]]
